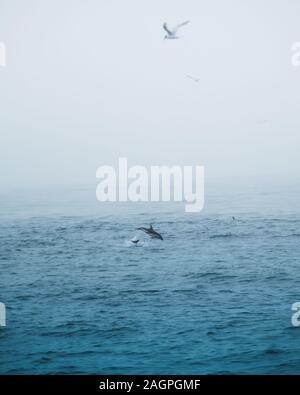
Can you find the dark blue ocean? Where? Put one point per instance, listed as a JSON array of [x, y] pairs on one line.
[[214, 297]]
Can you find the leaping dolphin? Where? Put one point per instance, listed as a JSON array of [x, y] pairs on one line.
[[151, 232]]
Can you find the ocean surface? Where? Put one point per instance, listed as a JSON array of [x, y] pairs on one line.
[[214, 297]]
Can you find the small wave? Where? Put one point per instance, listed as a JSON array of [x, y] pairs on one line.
[[221, 235], [209, 274], [272, 351], [198, 275], [211, 333]]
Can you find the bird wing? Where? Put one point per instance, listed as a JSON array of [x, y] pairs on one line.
[[166, 29], [180, 25], [193, 78]]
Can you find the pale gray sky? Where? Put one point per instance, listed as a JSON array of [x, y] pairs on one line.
[[91, 80]]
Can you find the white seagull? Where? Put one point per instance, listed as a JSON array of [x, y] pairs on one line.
[[172, 34], [193, 78]]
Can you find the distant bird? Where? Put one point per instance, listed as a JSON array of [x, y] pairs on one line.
[[193, 78], [134, 241], [151, 232], [233, 218], [172, 33]]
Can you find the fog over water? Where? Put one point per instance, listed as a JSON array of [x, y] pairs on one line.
[[88, 82]]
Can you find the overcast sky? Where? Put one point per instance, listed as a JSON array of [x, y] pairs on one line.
[[89, 81]]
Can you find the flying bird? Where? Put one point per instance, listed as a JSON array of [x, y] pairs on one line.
[[151, 232], [172, 33], [193, 78]]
